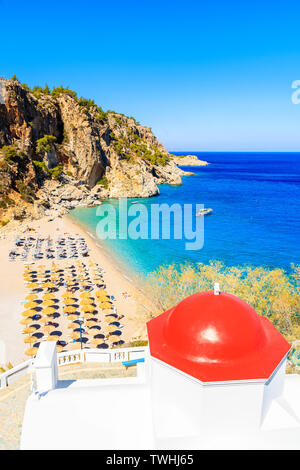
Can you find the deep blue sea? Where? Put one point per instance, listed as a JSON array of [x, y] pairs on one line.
[[255, 199]]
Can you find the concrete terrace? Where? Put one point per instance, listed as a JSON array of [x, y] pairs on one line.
[[13, 398]]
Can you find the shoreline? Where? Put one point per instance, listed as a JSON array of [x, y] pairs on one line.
[[130, 300], [110, 258]]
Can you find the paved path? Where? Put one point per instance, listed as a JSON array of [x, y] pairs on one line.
[[13, 398]]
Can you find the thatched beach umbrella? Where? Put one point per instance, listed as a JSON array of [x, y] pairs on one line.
[[44, 320], [69, 301], [88, 316], [48, 285], [72, 325], [72, 317], [30, 339], [48, 328], [97, 341], [104, 305], [48, 297], [75, 335], [48, 303], [53, 338], [26, 321], [59, 348], [29, 329], [31, 351], [33, 285], [110, 328], [30, 305], [86, 301], [87, 308], [67, 295], [91, 322], [109, 318], [31, 297], [70, 309], [28, 313], [49, 311], [85, 294]]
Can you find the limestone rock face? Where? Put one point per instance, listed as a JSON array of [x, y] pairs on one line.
[[91, 155]]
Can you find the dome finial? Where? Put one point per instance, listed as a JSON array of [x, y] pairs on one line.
[[217, 288]]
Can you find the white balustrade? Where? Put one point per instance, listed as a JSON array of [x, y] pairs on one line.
[[75, 357]]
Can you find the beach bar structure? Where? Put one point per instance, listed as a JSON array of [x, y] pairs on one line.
[[212, 378]]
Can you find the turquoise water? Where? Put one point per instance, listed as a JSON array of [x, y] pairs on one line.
[[256, 205]]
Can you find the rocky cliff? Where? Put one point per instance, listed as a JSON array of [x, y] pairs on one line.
[[58, 151]]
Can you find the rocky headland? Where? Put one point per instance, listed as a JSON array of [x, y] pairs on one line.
[[58, 151]]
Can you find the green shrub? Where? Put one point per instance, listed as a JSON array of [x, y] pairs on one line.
[[271, 292], [4, 222], [6, 202], [56, 172], [26, 192], [63, 91], [101, 116], [11, 154], [103, 182], [43, 145], [137, 343]]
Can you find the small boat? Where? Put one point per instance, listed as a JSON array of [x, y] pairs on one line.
[[204, 212]]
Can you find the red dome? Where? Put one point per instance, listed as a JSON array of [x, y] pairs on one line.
[[217, 338]]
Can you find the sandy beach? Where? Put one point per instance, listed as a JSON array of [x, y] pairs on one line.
[[129, 301]]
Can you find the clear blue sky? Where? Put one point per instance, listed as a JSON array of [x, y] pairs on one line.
[[205, 75]]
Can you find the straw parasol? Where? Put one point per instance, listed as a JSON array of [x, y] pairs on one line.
[[32, 285], [31, 351], [29, 313], [70, 309], [53, 338], [48, 328], [101, 292], [108, 311], [73, 325], [31, 297], [26, 321], [30, 305], [48, 297], [86, 301], [104, 305], [40, 266], [66, 295], [85, 294], [88, 316], [97, 341], [59, 348], [75, 335], [49, 311], [87, 308], [29, 329], [111, 328], [109, 318], [48, 284], [30, 339], [69, 301], [48, 303], [90, 322], [72, 317], [44, 320]]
